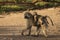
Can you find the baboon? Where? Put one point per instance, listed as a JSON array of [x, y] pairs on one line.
[[30, 21], [33, 20]]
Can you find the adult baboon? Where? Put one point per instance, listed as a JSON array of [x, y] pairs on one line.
[[30, 20]]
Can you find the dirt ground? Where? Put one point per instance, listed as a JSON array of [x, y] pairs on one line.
[[29, 37], [15, 22]]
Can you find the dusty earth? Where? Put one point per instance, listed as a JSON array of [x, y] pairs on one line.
[[14, 23]]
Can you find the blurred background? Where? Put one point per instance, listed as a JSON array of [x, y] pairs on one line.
[[21, 5]]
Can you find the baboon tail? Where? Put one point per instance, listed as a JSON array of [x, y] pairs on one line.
[[51, 20]]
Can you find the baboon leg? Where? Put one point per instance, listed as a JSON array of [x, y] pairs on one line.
[[38, 30], [29, 31], [23, 31], [44, 31]]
